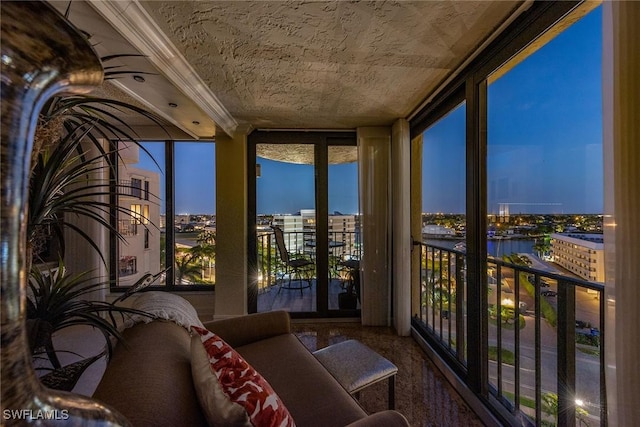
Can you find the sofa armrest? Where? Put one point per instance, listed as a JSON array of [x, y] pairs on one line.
[[239, 331], [382, 419]]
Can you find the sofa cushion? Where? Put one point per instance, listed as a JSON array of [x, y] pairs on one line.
[[148, 379], [229, 390], [310, 393]]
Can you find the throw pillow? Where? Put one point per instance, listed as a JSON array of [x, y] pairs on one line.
[[229, 390]]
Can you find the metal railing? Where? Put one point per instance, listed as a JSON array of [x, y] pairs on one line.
[[545, 336], [127, 228], [128, 265], [343, 245], [132, 189]]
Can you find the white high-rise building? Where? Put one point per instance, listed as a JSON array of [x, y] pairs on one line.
[[299, 232], [582, 254], [138, 193]]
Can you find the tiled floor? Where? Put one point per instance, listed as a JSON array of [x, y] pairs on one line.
[[423, 395], [295, 300]]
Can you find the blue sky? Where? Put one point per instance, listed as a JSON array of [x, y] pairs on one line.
[[544, 133], [287, 188], [544, 145]]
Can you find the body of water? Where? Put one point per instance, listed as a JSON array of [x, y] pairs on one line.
[[497, 248]]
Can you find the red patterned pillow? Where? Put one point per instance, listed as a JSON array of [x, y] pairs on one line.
[[230, 391]]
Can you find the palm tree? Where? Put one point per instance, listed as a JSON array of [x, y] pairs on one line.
[[206, 249], [542, 246], [186, 269]]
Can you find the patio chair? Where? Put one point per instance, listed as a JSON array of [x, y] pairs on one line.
[[295, 266]]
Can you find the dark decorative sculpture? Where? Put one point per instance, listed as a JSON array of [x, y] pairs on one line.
[[42, 55]]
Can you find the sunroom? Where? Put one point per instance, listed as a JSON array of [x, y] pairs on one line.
[[418, 156]]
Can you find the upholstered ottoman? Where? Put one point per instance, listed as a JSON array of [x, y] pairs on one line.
[[356, 367]]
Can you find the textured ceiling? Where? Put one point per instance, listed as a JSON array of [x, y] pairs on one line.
[[325, 64], [304, 153], [239, 65]]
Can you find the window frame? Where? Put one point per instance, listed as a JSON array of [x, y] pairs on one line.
[[472, 82], [169, 199]]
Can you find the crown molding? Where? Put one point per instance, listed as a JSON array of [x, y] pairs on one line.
[[135, 24]]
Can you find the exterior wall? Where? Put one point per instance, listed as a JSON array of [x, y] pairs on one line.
[[342, 229], [134, 259], [581, 254], [292, 227]]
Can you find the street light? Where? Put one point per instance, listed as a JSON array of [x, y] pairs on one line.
[[580, 411]]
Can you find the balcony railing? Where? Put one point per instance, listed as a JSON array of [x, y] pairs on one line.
[[127, 228], [128, 265], [545, 339], [132, 189], [343, 245]]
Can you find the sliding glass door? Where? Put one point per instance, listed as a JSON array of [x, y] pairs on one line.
[[303, 206]]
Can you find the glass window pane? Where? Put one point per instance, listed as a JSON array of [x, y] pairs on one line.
[[443, 282], [545, 181], [141, 215], [343, 225], [195, 213], [285, 198]]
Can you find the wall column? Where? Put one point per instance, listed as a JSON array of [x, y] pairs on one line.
[[374, 154], [401, 225], [79, 255], [231, 225], [621, 109]]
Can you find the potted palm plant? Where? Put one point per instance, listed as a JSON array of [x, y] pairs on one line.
[[57, 300], [69, 163], [348, 299]]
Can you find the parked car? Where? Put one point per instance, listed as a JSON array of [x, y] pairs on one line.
[[523, 306], [532, 280], [581, 324], [549, 293]]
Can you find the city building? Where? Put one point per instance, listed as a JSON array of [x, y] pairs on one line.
[[434, 230], [139, 222], [582, 254], [299, 231]]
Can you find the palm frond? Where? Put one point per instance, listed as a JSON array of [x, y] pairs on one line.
[[57, 299]]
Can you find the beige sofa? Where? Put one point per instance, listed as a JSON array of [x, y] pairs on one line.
[[149, 379]]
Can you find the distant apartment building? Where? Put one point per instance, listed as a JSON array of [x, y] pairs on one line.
[[299, 232], [182, 222], [582, 254], [434, 230], [342, 232], [139, 253], [293, 229]]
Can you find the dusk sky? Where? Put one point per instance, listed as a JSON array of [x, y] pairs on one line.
[[296, 184], [544, 133], [544, 153]]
